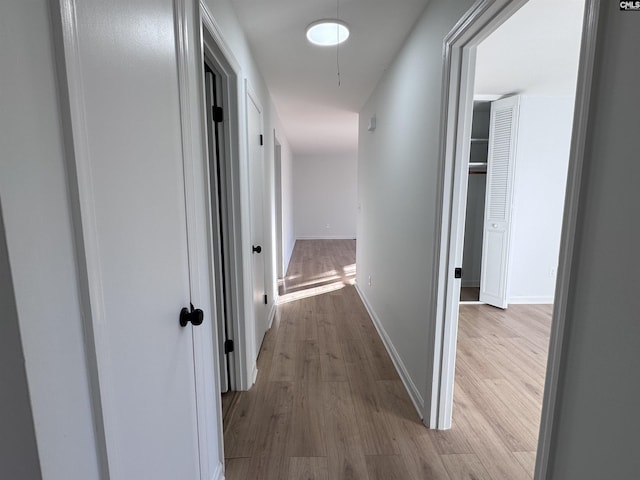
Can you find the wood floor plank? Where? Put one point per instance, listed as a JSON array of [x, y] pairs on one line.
[[308, 468], [332, 365], [284, 367], [527, 460], [465, 467], [238, 431], [306, 433], [372, 422], [514, 430], [487, 444], [237, 467], [345, 455], [422, 459], [272, 420], [387, 467], [307, 361]]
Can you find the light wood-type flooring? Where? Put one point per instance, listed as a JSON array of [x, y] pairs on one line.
[[469, 294], [328, 403]]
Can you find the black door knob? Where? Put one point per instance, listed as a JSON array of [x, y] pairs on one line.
[[257, 249], [195, 316]]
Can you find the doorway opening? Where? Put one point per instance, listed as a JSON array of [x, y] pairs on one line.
[[220, 94], [460, 69], [277, 189]]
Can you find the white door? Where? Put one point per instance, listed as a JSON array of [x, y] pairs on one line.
[[256, 172], [218, 211], [127, 132], [498, 201]]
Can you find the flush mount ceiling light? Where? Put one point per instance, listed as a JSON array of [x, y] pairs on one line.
[[327, 33]]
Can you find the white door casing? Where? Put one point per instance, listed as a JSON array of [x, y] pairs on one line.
[[217, 248], [256, 179], [496, 238]]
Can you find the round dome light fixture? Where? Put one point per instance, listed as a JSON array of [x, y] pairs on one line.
[[327, 33]]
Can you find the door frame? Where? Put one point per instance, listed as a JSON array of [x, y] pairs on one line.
[[199, 37], [211, 45], [456, 114], [277, 192]]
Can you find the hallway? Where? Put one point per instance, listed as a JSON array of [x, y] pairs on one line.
[[328, 403]]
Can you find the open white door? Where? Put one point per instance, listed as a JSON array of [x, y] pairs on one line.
[[255, 142], [498, 201], [218, 208]]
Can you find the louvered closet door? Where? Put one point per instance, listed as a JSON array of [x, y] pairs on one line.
[[498, 202]]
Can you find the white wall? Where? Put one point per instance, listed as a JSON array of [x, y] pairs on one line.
[[288, 229], [325, 196], [397, 184], [18, 449], [39, 233], [542, 157], [597, 418]]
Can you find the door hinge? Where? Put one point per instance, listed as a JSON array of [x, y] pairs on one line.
[[261, 140], [266, 300], [228, 346], [458, 272], [217, 114]]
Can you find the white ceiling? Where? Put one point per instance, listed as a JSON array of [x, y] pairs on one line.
[[535, 52], [319, 117]]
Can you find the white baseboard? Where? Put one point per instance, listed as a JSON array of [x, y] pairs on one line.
[[218, 473], [531, 300], [272, 312], [254, 375], [328, 237], [414, 394]]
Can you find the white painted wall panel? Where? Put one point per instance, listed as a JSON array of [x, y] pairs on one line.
[[325, 198], [597, 422], [542, 158], [39, 233]]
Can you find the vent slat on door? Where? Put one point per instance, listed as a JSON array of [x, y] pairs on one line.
[[500, 165]]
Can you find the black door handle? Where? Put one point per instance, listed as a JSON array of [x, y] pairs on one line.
[[257, 249], [195, 316]]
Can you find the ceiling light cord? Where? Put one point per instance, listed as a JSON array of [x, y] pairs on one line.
[[337, 36]]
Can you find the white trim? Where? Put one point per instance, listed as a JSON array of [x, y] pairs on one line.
[[412, 390], [196, 183], [272, 312], [254, 373], [523, 300], [456, 114], [218, 472], [327, 237], [567, 243], [239, 191], [86, 237]]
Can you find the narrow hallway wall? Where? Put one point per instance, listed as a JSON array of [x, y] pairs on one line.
[[325, 196], [397, 187]]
